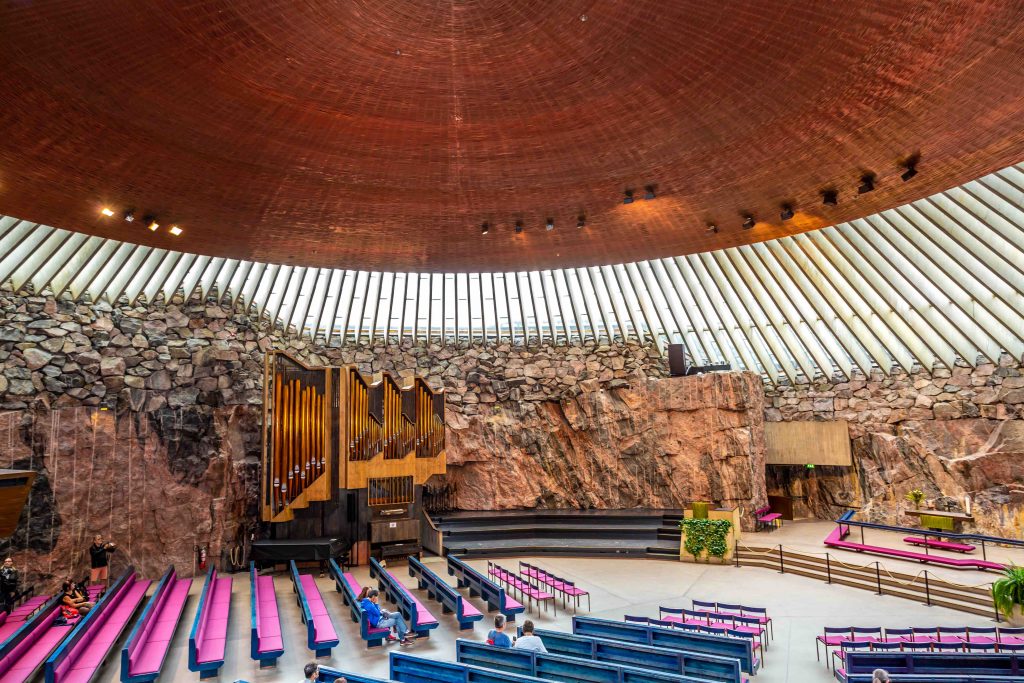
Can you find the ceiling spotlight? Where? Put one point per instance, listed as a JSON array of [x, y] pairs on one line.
[[867, 183], [649, 192], [129, 216], [107, 211], [787, 212], [485, 228], [712, 228], [151, 223], [519, 227], [550, 225], [581, 221], [627, 197], [748, 222], [175, 230], [909, 173], [829, 197]]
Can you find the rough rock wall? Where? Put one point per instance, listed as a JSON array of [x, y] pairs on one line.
[[955, 434], [163, 403]]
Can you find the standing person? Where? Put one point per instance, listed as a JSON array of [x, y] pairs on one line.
[[99, 559], [381, 618], [9, 584], [497, 635], [528, 641]]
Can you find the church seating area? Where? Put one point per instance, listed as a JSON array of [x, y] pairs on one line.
[[143, 654], [523, 588], [349, 588], [560, 585], [321, 637], [932, 667], [265, 641], [419, 619], [478, 584]]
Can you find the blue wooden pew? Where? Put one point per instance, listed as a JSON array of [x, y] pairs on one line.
[[321, 637], [669, 638], [479, 584], [408, 669], [559, 667], [438, 589], [705, 666], [946, 667], [420, 620], [349, 588], [330, 674]]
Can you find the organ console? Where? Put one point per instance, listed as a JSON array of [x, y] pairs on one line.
[[346, 457]]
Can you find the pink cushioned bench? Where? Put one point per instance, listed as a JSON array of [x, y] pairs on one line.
[[266, 644], [766, 519], [209, 633], [940, 545], [81, 655], [143, 655], [424, 619], [11, 622], [320, 634], [834, 540], [350, 589]]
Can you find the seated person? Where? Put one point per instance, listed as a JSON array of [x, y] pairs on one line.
[[528, 641], [497, 635], [73, 603], [381, 618]]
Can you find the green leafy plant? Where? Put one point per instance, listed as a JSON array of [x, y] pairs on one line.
[[702, 535], [915, 496], [700, 510], [1008, 592]]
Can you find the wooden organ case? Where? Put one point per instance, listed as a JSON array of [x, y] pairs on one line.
[[347, 458]]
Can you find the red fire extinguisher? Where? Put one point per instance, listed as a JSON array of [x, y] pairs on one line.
[[202, 557]]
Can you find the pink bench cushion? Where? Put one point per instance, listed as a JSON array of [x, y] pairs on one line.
[[88, 653], [469, 610], [424, 615], [512, 603], [323, 629], [19, 614], [769, 518], [268, 627], [356, 589], [211, 649], [149, 655], [944, 545]]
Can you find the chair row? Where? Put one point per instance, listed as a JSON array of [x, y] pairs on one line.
[[420, 620], [144, 653], [349, 588], [753, 632], [438, 589], [933, 667], [698, 664], [523, 587], [741, 649], [757, 622], [567, 588], [728, 608], [83, 651], [927, 638], [846, 647], [478, 584], [321, 637]]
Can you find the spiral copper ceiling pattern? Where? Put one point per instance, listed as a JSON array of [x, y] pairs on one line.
[[381, 134]]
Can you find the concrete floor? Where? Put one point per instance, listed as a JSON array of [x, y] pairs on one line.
[[799, 607]]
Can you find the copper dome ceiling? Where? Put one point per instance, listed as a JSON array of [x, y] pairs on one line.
[[381, 134]]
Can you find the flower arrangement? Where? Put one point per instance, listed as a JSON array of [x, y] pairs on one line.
[[915, 496]]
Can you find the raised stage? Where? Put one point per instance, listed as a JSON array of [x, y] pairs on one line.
[[633, 532]]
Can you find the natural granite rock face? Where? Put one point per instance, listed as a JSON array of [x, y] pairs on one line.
[[143, 422], [646, 443], [953, 434]]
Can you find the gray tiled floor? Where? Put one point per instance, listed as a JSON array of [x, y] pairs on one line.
[[799, 607]]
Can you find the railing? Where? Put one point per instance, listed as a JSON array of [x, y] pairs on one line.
[[923, 587], [925, 533]]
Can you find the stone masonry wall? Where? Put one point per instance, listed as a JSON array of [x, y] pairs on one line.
[[143, 423], [955, 434]]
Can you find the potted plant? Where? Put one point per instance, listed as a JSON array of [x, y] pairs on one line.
[[1008, 594], [916, 496]]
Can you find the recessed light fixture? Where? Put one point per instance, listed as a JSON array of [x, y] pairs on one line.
[[712, 228], [829, 197], [151, 223], [519, 227], [581, 221], [107, 211], [129, 216], [649, 192], [550, 224], [787, 212], [175, 230], [748, 222], [627, 197], [867, 183], [484, 229]]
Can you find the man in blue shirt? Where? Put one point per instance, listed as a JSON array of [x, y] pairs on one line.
[[381, 618], [497, 636]]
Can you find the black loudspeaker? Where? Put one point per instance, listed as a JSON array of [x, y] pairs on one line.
[[676, 360]]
